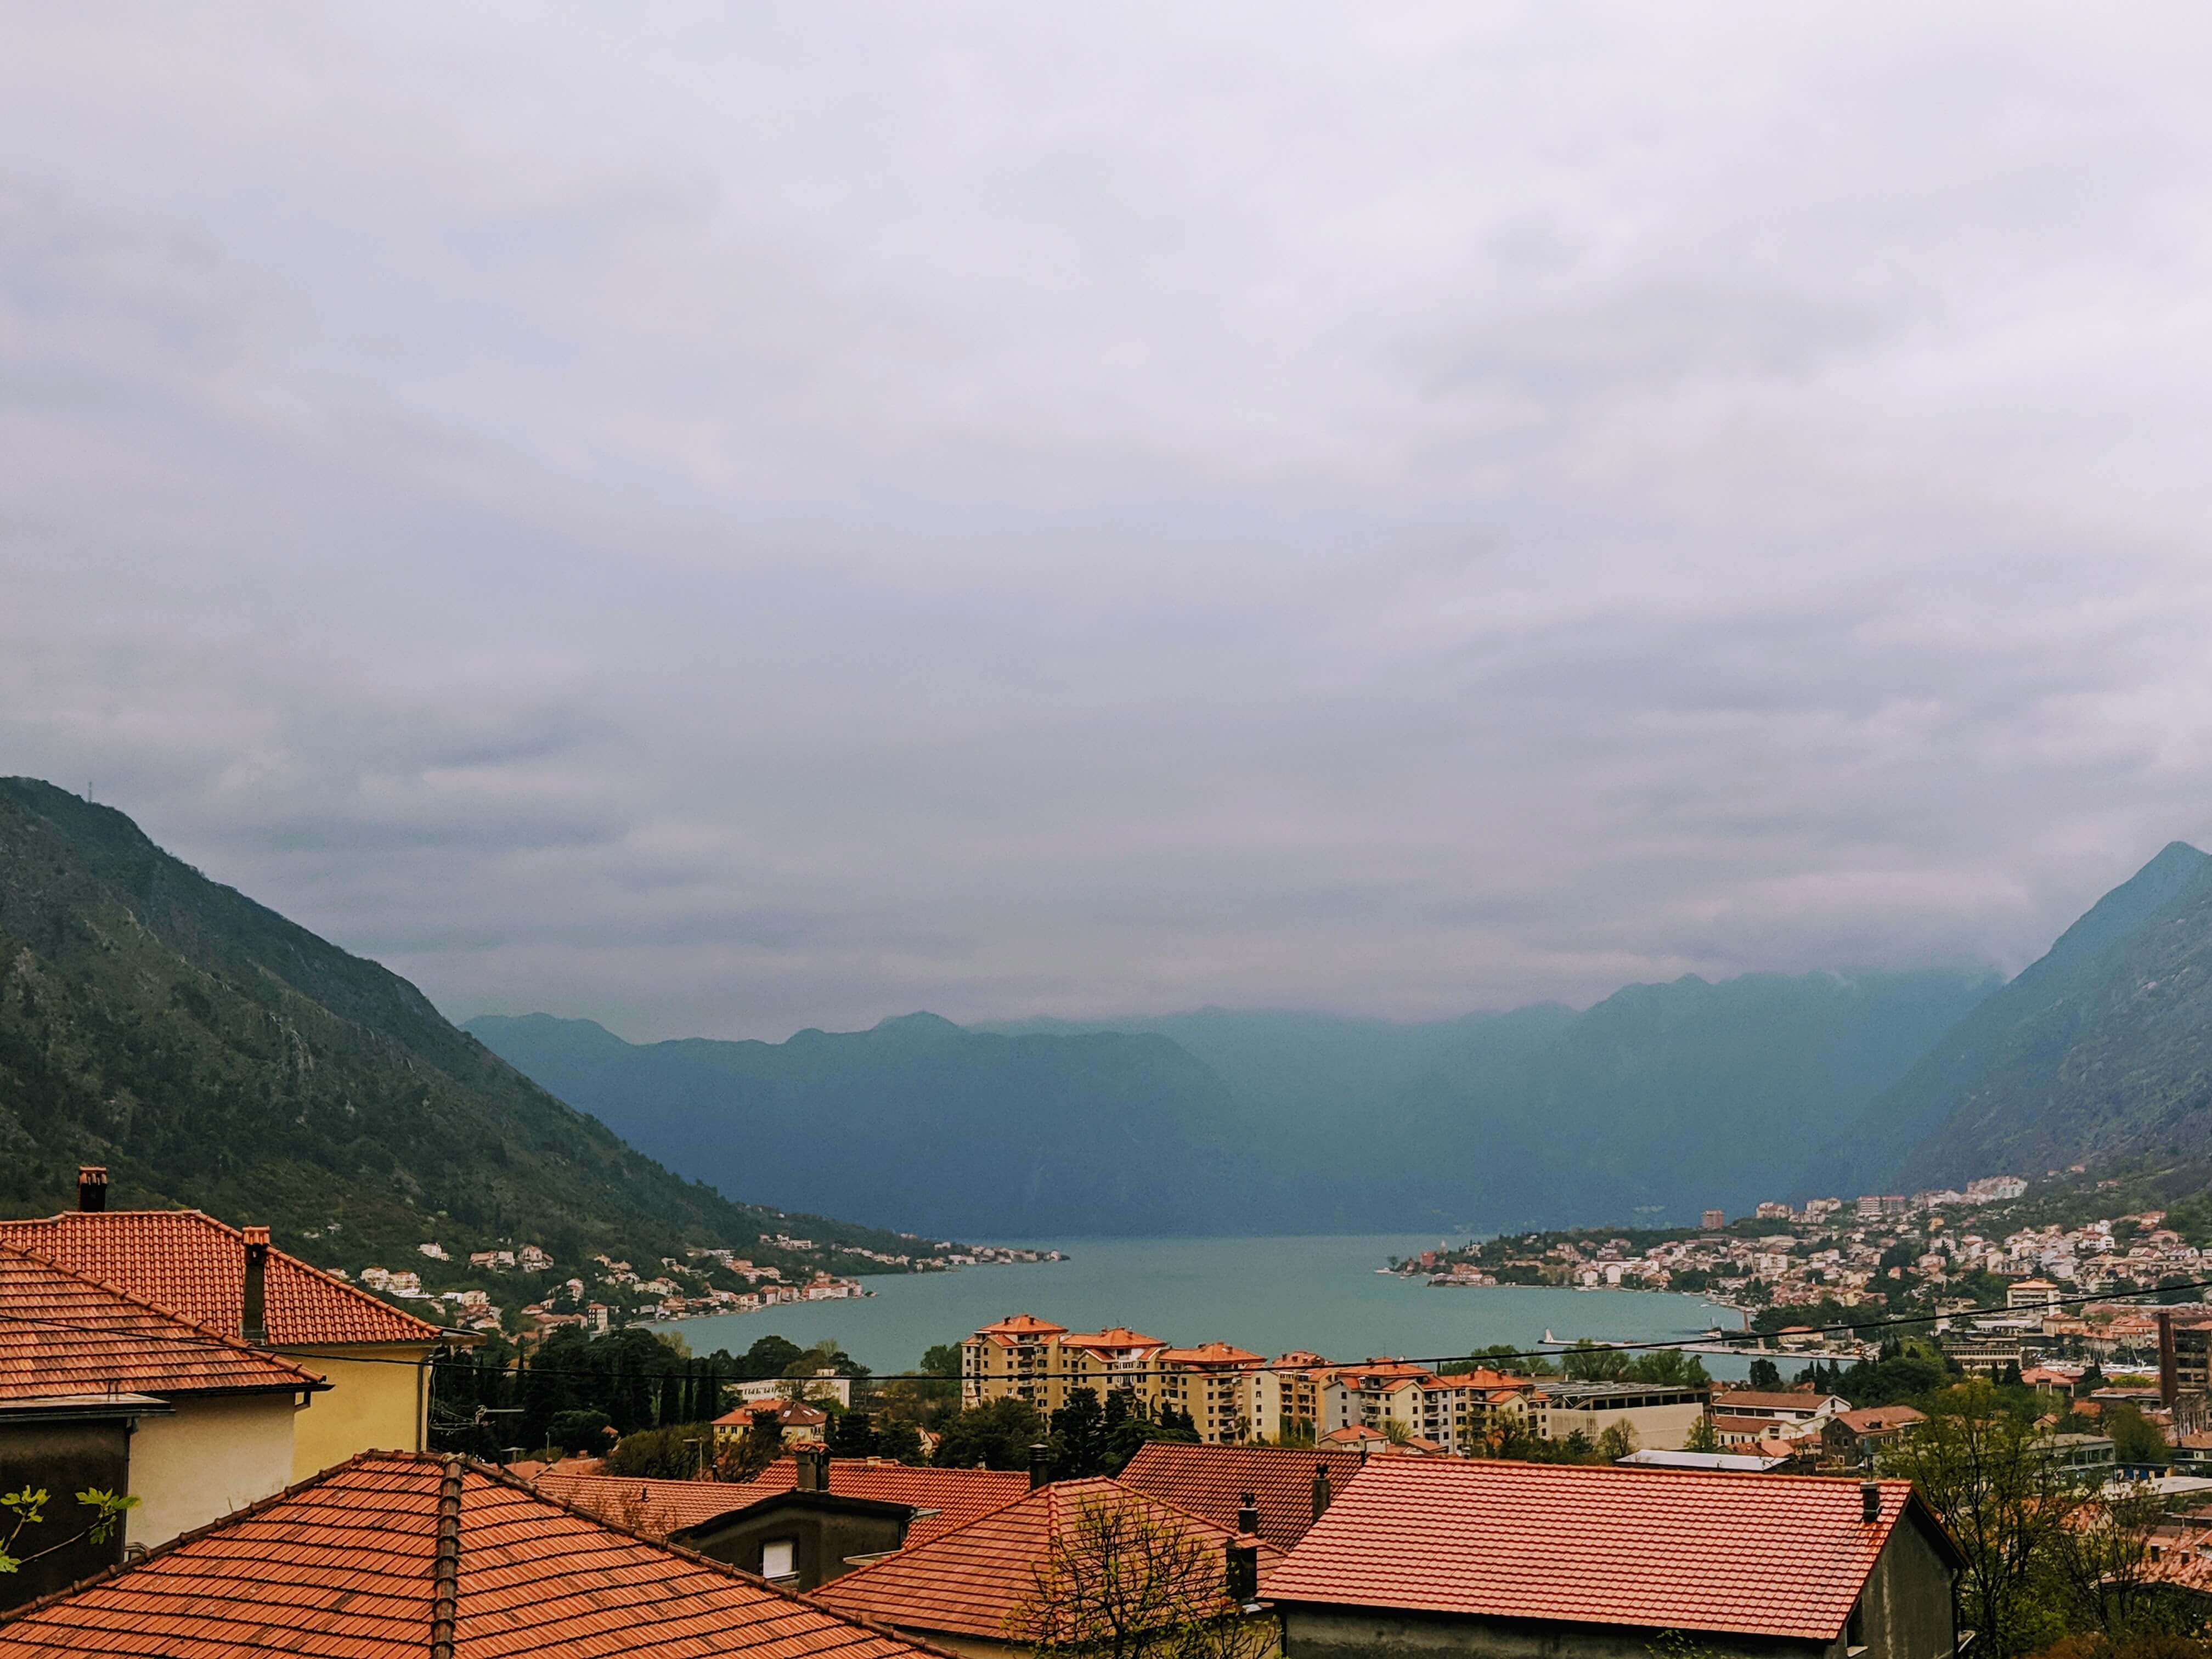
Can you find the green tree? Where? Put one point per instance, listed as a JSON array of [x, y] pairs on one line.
[[680, 1451], [994, 1436], [771, 1356], [585, 1432], [1765, 1376], [26, 1508], [1587, 1362], [1702, 1437], [2004, 1500], [2137, 1441], [900, 1441]]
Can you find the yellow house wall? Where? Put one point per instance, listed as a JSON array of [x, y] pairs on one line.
[[373, 1404], [1657, 1428], [212, 1456]]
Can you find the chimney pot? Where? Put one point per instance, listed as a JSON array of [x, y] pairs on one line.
[[1040, 1467], [1869, 1501], [1248, 1515], [252, 1316], [91, 1187]]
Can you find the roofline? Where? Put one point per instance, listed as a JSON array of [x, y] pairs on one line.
[[850, 1502], [1771, 1632], [469, 1466], [60, 1216], [235, 1344], [1114, 1481]]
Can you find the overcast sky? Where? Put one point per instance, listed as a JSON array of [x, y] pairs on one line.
[[730, 519]]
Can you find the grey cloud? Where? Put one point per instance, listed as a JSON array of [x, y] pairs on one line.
[[737, 523]]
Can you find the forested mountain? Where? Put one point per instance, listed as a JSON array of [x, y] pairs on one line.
[[212, 1053], [926, 1124], [1658, 1101], [2101, 1049]]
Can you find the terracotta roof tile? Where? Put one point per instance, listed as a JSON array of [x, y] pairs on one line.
[[65, 1333], [344, 1567], [1023, 1325], [195, 1265], [1764, 1554], [661, 1507], [1211, 1482], [969, 1581]]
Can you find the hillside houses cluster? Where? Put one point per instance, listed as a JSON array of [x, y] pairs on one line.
[[1926, 1246]]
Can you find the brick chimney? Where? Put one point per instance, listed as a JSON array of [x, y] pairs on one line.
[[1248, 1515], [1243, 1569], [1319, 1489], [252, 1316], [91, 1187], [1869, 1501], [813, 1463]]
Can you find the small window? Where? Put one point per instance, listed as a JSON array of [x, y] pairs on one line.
[[1854, 1629], [776, 1560]]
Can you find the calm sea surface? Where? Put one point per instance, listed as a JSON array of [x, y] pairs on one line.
[[1270, 1295]]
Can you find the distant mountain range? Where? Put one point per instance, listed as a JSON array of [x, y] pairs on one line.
[[1655, 1103], [214, 1054], [1658, 1101]]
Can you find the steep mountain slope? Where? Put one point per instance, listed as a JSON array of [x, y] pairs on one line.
[[934, 1127], [213, 1053], [1663, 1099], [1660, 1100], [2102, 1048]]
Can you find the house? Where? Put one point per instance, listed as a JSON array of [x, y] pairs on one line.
[[823, 1385], [941, 1500], [1854, 1437], [100, 1391], [1794, 1406], [1659, 1415], [1490, 1557], [968, 1590], [800, 1424], [396, 1554], [1289, 1487], [232, 1282]]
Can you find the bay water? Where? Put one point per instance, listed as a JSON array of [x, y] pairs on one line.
[[1270, 1295]]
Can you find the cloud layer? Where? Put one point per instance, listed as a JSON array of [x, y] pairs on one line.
[[728, 521]]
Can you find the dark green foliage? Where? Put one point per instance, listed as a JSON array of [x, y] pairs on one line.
[[997, 1436], [212, 1053], [1767, 1376], [2137, 1441], [771, 1356], [679, 1452], [1903, 1375], [900, 1441], [584, 1432]]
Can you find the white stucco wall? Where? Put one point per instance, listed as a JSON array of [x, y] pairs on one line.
[[213, 1456]]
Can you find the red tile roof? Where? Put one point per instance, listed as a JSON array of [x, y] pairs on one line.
[[1023, 1325], [971, 1582], [1211, 1482], [64, 1334], [1114, 1336], [958, 1496], [1759, 1554], [1213, 1353], [348, 1565], [195, 1265], [660, 1507]]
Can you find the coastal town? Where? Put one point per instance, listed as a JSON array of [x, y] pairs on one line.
[[604, 1293]]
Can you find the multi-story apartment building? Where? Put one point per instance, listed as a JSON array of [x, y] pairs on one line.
[[1287, 1396], [1214, 1383], [1235, 1396], [1010, 1359]]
